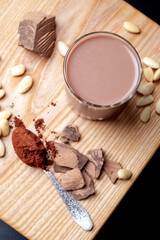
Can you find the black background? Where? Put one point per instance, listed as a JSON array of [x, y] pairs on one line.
[[137, 216]]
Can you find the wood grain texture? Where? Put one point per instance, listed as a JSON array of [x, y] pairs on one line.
[[28, 200]]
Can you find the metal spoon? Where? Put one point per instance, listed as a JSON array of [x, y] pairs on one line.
[[78, 213]]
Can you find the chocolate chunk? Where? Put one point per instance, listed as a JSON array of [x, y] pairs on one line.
[[95, 163], [72, 180], [37, 33], [69, 157], [70, 133], [60, 169], [111, 168], [87, 190]]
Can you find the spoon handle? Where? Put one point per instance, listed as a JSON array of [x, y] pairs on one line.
[[78, 213]]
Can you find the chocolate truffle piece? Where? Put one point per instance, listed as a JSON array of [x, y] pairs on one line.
[[95, 163], [72, 180], [69, 157], [37, 33], [111, 168], [87, 190], [70, 133]]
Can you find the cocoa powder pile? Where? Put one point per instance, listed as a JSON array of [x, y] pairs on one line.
[[28, 147]]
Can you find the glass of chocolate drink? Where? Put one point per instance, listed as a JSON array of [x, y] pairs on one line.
[[102, 71]]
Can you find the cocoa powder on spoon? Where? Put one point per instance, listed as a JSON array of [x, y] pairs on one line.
[[29, 147]]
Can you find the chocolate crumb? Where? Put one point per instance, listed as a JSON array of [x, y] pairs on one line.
[[12, 105], [53, 104], [40, 135], [39, 126], [70, 133], [18, 122]]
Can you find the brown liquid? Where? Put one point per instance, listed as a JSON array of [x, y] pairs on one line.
[[102, 70]]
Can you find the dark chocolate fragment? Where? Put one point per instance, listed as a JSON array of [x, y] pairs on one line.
[[70, 133], [37, 33], [69, 157], [72, 180], [87, 190], [111, 168], [95, 163]]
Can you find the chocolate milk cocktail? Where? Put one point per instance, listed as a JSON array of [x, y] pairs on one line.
[[102, 72]]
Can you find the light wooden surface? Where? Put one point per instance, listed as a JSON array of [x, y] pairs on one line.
[[28, 200]]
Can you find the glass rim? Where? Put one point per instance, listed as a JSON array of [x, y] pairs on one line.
[[93, 104]]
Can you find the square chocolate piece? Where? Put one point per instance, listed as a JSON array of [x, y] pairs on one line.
[[37, 33]]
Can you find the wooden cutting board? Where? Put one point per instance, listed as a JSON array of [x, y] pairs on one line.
[[28, 201]]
